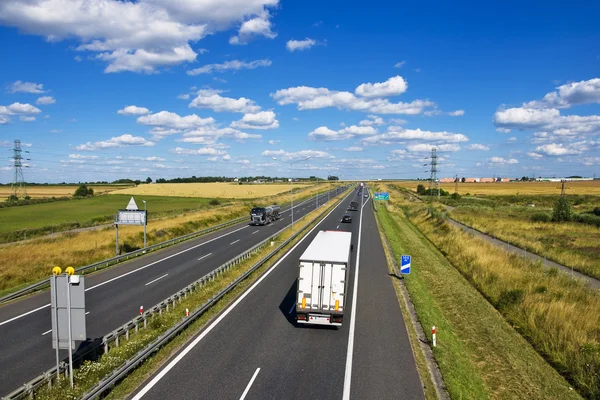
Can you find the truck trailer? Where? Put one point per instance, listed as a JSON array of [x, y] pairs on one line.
[[323, 279], [264, 215]]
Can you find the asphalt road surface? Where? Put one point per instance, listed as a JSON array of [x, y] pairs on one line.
[[114, 296], [254, 349]]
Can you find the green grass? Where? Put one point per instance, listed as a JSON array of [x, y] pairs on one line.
[[479, 354], [86, 212]]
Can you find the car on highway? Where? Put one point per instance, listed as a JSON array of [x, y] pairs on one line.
[[353, 206], [366, 195], [347, 218]]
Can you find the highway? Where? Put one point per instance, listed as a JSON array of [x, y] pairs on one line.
[[254, 350], [114, 296]]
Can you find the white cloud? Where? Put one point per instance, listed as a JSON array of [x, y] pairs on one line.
[[559, 149], [502, 160], [298, 155], [399, 64], [82, 157], [402, 135], [512, 139], [4, 120], [260, 120], [226, 157], [119, 141], [503, 130], [372, 120], [392, 87], [426, 147], [168, 120], [210, 134], [19, 108], [353, 148], [310, 98], [26, 119], [183, 96], [582, 92], [306, 44], [151, 158], [457, 113], [324, 133], [219, 103], [274, 141], [203, 151], [235, 65], [26, 87], [133, 110], [139, 36], [476, 146], [534, 155], [56, 131], [258, 26], [45, 100]]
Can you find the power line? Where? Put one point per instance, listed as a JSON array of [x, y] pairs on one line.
[[433, 180], [18, 185]]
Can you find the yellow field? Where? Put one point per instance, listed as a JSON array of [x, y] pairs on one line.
[[58, 190], [211, 190], [507, 188]]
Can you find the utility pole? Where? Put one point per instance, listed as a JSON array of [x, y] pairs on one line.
[[433, 180], [562, 189], [18, 184], [456, 184]]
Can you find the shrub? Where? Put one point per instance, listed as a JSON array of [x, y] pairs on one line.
[[596, 211], [83, 191], [589, 219], [455, 196], [562, 210], [214, 202], [420, 189], [510, 298], [541, 217]]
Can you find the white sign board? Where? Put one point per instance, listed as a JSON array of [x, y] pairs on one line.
[[132, 205], [131, 217]]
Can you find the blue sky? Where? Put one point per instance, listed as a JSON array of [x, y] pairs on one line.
[[106, 89]]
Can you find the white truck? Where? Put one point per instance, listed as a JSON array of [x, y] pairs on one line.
[[323, 279]]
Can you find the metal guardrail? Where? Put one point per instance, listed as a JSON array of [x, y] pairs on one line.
[[47, 377], [136, 253]]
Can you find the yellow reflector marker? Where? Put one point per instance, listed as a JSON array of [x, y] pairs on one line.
[[337, 305], [304, 302]]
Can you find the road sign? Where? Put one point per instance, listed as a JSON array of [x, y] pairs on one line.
[[381, 196], [132, 205], [405, 265], [63, 305]]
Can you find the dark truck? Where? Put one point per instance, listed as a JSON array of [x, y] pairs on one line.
[[353, 206], [264, 215]]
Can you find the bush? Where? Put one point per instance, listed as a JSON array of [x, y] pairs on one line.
[[83, 191], [214, 202], [510, 298], [541, 217], [590, 219], [596, 211], [420, 189], [455, 196], [562, 211]]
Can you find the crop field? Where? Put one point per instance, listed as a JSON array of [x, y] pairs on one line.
[[210, 190], [40, 191], [87, 212], [514, 188]]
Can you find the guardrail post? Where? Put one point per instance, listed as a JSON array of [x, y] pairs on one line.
[[117, 341], [127, 334], [105, 347], [144, 323]]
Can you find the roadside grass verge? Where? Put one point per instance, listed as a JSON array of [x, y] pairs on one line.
[[479, 354], [92, 372], [29, 262], [572, 244]]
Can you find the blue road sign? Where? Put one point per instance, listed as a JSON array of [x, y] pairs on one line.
[[382, 196], [405, 265]]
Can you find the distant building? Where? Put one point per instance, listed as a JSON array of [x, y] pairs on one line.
[[486, 180], [447, 180]]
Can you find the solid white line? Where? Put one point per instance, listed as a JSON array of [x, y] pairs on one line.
[[47, 332], [24, 314], [204, 256], [292, 309], [189, 348], [256, 232], [350, 352], [157, 279], [234, 242], [250, 384]]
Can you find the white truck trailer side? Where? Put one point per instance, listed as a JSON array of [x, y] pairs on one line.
[[323, 279]]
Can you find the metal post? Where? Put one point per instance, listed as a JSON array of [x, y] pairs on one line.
[[56, 333], [70, 330], [317, 191], [145, 222], [291, 192], [117, 240]]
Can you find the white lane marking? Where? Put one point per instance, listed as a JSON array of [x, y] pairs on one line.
[[204, 256], [350, 352], [85, 314], [190, 346], [250, 384], [256, 231], [47, 332], [292, 309], [157, 279], [337, 227], [24, 314], [234, 242]]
